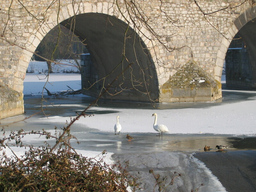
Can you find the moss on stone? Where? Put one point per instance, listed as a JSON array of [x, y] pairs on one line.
[[190, 84], [192, 76]]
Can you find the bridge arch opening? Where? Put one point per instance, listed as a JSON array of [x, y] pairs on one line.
[[112, 46], [240, 59], [54, 67]]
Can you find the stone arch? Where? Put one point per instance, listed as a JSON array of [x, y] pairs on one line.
[[237, 25], [143, 79]]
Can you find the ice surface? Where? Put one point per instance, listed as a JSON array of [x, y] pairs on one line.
[[237, 118], [177, 172]]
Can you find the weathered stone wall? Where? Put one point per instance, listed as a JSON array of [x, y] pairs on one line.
[[177, 31], [11, 101]]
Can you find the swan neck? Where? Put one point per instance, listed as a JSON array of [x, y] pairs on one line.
[[155, 122]]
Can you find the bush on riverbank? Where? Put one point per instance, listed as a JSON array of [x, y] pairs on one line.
[[44, 169]]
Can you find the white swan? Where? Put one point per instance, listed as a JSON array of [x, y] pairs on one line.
[[159, 128], [117, 127]]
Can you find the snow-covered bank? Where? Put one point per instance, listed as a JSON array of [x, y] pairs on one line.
[[65, 74], [62, 66], [177, 172], [56, 82]]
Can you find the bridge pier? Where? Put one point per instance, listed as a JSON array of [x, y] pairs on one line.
[[11, 102], [191, 84]]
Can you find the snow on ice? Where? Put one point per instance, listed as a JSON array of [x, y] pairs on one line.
[[237, 118]]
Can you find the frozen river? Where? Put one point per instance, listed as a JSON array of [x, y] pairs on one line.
[[191, 125]]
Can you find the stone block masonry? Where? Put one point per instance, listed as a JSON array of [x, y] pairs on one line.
[[173, 32], [11, 102], [190, 84]]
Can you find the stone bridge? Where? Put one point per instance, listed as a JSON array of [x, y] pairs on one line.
[[161, 51]]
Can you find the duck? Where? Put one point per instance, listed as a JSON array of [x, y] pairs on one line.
[[129, 137], [159, 128], [221, 147], [117, 127], [207, 148]]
